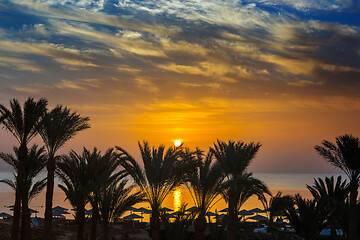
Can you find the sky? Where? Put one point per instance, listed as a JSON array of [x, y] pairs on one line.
[[280, 72]]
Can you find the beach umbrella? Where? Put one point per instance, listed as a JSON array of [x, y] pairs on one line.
[[62, 212], [165, 209], [4, 215], [88, 212], [245, 213], [142, 209], [224, 210], [258, 218], [192, 209], [133, 216], [57, 214], [59, 209], [257, 210], [132, 209], [210, 214], [148, 211]]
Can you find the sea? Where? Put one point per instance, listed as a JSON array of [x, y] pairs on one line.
[[287, 183]]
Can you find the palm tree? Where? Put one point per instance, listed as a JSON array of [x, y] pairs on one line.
[[345, 154], [333, 196], [36, 161], [56, 128], [177, 229], [234, 159], [22, 123], [309, 219], [277, 206], [161, 174], [102, 171], [73, 171], [205, 185], [114, 201]]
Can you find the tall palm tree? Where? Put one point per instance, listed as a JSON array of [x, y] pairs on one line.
[[205, 185], [309, 219], [102, 171], [345, 154], [36, 161], [277, 206], [56, 128], [234, 159], [162, 172], [333, 196], [114, 201], [73, 171], [22, 123]]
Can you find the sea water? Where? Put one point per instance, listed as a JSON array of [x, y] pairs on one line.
[[287, 183]]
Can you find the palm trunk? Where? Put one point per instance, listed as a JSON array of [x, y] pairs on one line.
[[270, 224], [25, 220], [353, 211], [200, 227], [106, 230], [155, 225], [23, 152], [231, 216], [81, 222], [94, 222], [49, 198], [17, 215]]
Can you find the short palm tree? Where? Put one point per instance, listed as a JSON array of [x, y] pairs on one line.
[[22, 123], [234, 159], [102, 171], [73, 171], [205, 185], [162, 172], [309, 219], [277, 207], [114, 200], [333, 196], [345, 154], [36, 161], [56, 128]]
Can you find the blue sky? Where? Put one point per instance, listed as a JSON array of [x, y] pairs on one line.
[[283, 72]]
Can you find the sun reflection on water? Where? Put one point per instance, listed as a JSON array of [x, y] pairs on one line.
[[177, 198]]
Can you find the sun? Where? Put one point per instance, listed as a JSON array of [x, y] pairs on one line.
[[177, 143]]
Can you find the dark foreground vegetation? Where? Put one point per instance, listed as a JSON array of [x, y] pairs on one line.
[[103, 180]]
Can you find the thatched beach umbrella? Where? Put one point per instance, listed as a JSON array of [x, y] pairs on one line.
[[257, 210], [5, 215], [224, 210], [165, 209], [245, 213], [192, 209]]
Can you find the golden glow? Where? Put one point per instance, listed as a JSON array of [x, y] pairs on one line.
[[177, 143], [177, 199]]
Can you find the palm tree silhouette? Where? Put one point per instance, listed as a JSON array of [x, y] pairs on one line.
[[36, 161], [234, 159], [22, 123], [162, 172], [309, 218], [205, 184], [345, 154], [115, 200], [277, 206], [56, 128], [73, 171], [102, 171], [332, 195]]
